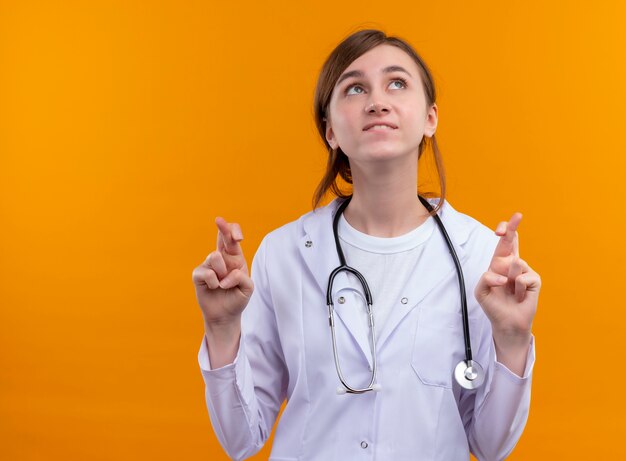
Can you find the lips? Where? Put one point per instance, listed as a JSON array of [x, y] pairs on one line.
[[380, 124]]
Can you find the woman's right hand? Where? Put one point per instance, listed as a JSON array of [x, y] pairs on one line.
[[223, 286]]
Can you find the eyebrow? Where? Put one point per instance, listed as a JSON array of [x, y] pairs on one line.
[[358, 73]]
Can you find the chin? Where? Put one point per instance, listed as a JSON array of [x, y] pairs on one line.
[[387, 153]]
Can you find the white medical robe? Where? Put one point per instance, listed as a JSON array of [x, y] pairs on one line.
[[420, 413]]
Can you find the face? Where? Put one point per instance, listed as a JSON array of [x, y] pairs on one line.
[[379, 111]]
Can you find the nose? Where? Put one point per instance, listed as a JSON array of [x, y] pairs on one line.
[[377, 101], [377, 108]]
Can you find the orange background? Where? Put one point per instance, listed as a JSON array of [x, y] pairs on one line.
[[126, 127]]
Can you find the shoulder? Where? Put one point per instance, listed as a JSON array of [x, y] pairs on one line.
[[298, 229], [465, 230]]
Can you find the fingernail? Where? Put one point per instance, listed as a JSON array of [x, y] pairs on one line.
[[237, 234], [502, 279]]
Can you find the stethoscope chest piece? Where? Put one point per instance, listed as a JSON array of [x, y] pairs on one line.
[[469, 374]]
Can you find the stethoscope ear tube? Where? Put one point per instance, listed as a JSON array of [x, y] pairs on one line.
[[357, 274], [349, 389]]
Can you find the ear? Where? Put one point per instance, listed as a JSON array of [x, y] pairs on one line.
[[431, 121], [330, 135]]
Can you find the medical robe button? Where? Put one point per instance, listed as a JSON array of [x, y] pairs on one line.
[[308, 244], [404, 300], [341, 300], [364, 444]]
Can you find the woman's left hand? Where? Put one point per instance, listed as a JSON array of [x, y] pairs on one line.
[[508, 293]]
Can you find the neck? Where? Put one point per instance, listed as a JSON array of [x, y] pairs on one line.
[[384, 201]]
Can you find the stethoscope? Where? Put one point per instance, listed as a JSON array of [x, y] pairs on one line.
[[468, 373]]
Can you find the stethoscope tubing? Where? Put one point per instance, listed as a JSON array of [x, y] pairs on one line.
[[468, 374], [459, 272]]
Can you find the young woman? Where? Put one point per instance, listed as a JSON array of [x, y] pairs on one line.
[[441, 364]]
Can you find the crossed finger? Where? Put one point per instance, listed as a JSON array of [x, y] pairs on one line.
[[203, 275], [215, 261], [509, 241], [516, 269], [527, 282], [228, 237]]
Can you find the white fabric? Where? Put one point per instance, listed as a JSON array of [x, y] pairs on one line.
[[386, 264], [420, 413]]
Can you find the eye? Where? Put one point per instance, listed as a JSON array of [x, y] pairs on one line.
[[354, 86], [400, 81]]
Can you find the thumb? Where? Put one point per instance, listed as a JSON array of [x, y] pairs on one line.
[[238, 278]]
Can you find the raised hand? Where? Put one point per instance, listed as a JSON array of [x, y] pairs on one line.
[[508, 292], [223, 286]]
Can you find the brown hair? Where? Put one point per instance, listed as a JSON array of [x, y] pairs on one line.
[[342, 56]]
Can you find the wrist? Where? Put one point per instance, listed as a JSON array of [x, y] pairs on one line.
[[223, 342], [512, 351], [223, 328], [512, 341]]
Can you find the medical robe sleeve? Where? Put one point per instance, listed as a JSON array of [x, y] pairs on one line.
[[243, 404], [495, 415]]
